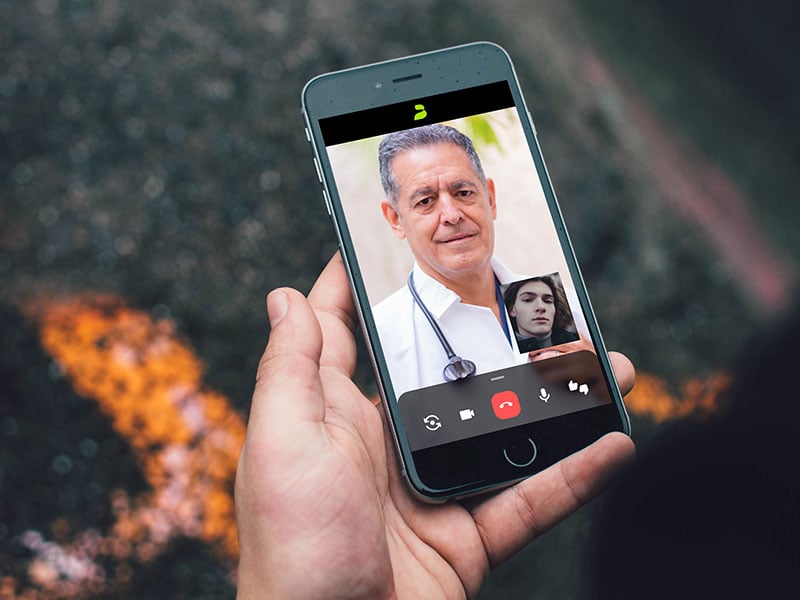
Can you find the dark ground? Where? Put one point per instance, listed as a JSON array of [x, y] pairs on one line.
[[155, 150]]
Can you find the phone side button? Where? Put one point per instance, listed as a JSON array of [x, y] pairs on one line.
[[519, 450], [327, 202], [319, 171], [533, 124]]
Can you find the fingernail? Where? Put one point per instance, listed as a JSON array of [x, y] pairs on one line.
[[547, 354], [277, 307]]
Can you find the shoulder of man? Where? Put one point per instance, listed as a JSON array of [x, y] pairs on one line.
[[393, 307]]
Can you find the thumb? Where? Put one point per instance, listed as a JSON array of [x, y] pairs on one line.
[[288, 388]]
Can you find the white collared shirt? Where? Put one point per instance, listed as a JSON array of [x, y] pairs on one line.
[[415, 355]]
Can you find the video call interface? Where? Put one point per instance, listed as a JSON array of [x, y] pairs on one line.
[[531, 347]]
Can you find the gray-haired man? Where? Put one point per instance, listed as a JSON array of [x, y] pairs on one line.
[[439, 200]]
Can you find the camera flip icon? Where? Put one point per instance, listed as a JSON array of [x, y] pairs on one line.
[[432, 422]]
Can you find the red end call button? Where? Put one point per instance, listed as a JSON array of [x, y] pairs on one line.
[[506, 405]]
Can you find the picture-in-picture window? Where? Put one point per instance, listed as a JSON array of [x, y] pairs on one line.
[[539, 312]]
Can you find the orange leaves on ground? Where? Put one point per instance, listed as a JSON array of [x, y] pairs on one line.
[[148, 381], [652, 398]]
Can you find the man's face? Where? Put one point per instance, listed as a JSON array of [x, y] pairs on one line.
[[443, 210], [534, 309]]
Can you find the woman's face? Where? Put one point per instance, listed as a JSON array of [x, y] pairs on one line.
[[534, 309]]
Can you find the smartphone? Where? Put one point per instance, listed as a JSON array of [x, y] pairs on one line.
[[487, 354]]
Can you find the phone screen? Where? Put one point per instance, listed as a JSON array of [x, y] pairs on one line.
[[431, 193]]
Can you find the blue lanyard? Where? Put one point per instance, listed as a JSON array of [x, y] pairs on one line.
[[501, 306]]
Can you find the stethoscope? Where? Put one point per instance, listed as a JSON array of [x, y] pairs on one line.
[[456, 367]]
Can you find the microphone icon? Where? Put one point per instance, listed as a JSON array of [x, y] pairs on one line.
[[543, 395]]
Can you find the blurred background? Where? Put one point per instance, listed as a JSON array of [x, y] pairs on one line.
[[156, 184]]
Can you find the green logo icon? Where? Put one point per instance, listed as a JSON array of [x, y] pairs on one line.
[[421, 112]]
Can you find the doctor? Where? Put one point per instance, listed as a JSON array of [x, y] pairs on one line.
[[439, 200]]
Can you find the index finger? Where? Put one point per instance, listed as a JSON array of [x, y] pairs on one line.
[[624, 371], [333, 303]]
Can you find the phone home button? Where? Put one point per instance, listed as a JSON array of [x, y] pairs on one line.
[[519, 450]]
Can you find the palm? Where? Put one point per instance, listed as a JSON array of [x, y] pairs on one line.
[[419, 542], [434, 551]]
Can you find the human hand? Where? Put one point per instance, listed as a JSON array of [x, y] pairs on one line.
[[321, 506], [580, 344]]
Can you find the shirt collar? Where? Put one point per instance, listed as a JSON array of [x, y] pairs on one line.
[[438, 298], [503, 273]]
